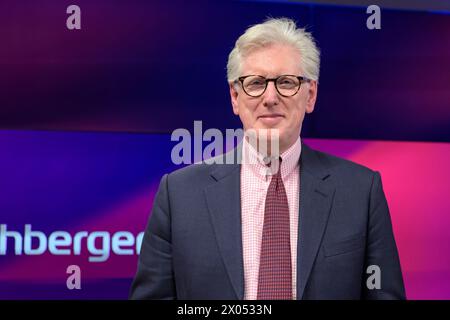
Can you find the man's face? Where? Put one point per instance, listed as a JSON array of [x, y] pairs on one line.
[[271, 110]]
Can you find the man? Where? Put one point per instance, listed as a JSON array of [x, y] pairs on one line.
[[308, 230]]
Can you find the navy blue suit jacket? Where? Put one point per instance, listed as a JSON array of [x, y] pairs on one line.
[[192, 247]]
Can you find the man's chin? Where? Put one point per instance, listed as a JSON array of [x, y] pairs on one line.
[[267, 129]]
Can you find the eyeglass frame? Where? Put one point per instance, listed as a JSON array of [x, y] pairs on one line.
[[267, 80]]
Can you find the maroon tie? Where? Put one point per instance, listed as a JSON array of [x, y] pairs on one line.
[[275, 270]]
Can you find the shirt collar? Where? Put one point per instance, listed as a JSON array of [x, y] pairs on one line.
[[257, 163]]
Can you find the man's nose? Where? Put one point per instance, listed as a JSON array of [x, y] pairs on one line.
[[271, 96]]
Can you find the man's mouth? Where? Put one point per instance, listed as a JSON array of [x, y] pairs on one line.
[[271, 119]]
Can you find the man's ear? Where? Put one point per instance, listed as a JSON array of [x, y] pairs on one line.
[[234, 95], [312, 96]]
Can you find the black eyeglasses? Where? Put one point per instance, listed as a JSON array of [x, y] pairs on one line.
[[287, 85]]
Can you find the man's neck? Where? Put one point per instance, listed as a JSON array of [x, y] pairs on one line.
[[267, 148]]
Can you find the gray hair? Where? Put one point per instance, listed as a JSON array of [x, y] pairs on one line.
[[275, 31]]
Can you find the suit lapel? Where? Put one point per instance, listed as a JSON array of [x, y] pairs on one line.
[[224, 204], [316, 197]]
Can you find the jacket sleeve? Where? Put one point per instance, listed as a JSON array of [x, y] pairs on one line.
[[381, 249], [154, 278]]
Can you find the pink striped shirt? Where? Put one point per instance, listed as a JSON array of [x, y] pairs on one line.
[[254, 185]]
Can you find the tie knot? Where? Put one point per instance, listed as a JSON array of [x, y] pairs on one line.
[[273, 165]]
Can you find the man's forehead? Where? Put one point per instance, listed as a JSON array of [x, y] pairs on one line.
[[272, 61]]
